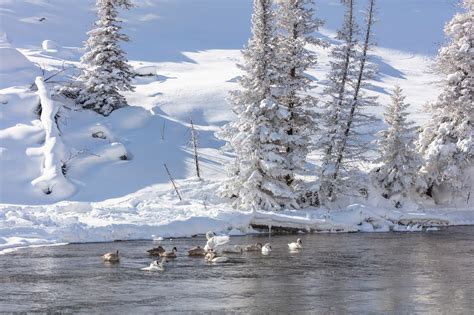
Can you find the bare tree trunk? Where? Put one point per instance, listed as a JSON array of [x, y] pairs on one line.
[[172, 182], [355, 99], [196, 159]]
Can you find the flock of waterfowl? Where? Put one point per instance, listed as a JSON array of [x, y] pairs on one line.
[[212, 252]]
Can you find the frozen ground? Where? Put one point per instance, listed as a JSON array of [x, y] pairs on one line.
[[115, 185]]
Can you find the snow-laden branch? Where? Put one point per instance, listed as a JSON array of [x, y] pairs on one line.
[[52, 180]]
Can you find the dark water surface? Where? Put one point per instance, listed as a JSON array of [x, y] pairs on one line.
[[430, 272]]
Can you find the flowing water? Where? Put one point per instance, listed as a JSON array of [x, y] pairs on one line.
[[430, 272]]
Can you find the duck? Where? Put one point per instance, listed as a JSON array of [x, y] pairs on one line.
[[156, 251], [211, 257], [296, 245], [171, 254], [266, 249], [252, 247], [156, 266], [196, 251], [111, 257]]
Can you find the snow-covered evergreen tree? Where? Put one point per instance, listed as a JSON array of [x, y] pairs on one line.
[[296, 24], [446, 143], [106, 70], [353, 142], [396, 176], [258, 172], [342, 78]]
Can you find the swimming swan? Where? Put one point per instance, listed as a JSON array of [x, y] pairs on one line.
[[171, 254], [156, 251], [156, 266], [214, 241], [296, 245], [211, 257], [266, 249], [111, 257]]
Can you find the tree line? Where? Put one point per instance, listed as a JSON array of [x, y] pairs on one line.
[[279, 121]]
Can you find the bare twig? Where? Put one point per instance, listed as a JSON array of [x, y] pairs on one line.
[[163, 130], [172, 182], [196, 159]]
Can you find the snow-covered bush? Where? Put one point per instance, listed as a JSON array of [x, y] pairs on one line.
[[446, 143], [106, 70]]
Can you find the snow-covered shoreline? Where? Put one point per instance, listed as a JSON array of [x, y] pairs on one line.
[[157, 212]]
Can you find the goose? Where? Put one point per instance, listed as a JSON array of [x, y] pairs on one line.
[[253, 247], [171, 254], [111, 257], [231, 249], [266, 249], [156, 266], [196, 251], [211, 257], [296, 245], [156, 251]]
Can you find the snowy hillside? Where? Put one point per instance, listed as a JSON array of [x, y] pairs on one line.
[[187, 52]]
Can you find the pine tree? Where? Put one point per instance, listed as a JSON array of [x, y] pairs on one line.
[[446, 143], [106, 70], [342, 78], [296, 25], [396, 176], [353, 143], [257, 172]]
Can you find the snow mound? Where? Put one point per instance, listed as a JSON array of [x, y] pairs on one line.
[[15, 68], [49, 44]]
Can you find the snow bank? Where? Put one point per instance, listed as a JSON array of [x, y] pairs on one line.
[[52, 180], [15, 68], [156, 212]]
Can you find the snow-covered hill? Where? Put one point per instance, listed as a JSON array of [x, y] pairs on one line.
[[190, 48]]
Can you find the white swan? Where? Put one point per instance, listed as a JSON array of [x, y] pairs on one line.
[[296, 245], [211, 257], [156, 266], [111, 257], [214, 241], [266, 249]]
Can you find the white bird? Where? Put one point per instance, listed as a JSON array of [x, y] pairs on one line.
[[214, 241], [156, 266], [111, 257], [211, 257], [296, 245], [266, 249]]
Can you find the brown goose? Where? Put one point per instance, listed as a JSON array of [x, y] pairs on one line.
[[157, 251], [171, 254], [196, 251], [253, 247]]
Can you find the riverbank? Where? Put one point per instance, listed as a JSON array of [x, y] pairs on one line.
[[157, 212]]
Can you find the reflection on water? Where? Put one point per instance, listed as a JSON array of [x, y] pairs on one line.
[[391, 272]]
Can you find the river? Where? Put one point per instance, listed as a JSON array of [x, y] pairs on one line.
[[430, 272]]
